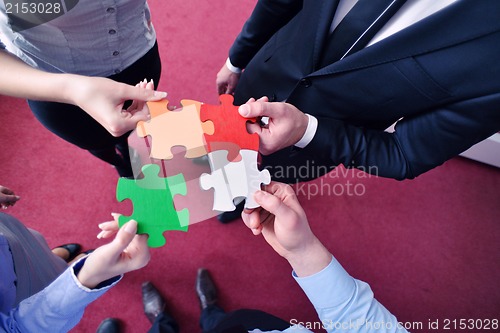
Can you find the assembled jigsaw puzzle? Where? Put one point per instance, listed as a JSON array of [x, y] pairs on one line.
[[224, 157]]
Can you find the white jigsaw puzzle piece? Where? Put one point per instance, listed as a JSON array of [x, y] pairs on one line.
[[236, 177], [232, 180], [222, 197], [254, 176], [218, 159]]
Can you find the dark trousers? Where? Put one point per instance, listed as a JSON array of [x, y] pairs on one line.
[[164, 324], [214, 320], [74, 125]]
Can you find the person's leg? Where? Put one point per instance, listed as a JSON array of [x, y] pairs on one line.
[[250, 320], [34, 263], [211, 316], [74, 125], [211, 313], [164, 323], [59, 256], [155, 310]]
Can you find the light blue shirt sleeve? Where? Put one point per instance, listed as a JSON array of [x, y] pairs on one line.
[[57, 308], [343, 304], [346, 304]]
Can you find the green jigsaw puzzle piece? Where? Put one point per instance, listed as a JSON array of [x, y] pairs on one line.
[[152, 197]]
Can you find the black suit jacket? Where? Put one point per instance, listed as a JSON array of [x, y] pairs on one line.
[[441, 75]]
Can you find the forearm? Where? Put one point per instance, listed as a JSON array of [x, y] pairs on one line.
[[375, 152], [344, 303], [57, 308], [18, 79], [419, 143]]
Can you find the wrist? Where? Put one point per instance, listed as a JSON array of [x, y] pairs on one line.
[[86, 278], [232, 68], [69, 85], [311, 126], [309, 260]]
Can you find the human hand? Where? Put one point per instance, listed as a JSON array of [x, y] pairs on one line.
[[139, 107], [7, 197], [286, 126], [127, 252], [283, 223], [109, 228], [103, 100], [226, 81]]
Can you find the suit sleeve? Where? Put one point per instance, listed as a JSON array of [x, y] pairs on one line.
[[418, 144], [266, 19]]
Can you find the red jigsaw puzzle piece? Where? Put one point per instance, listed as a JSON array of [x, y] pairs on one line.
[[230, 128]]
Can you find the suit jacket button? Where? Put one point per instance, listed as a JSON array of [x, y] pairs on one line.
[[306, 83]]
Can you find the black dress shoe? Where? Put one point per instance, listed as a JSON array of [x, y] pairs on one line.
[[152, 301], [109, 325], [73, 250], [227, 217], [205, 289]]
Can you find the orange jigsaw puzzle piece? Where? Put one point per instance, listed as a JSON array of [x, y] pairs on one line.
[[158, 108], [180, 127]]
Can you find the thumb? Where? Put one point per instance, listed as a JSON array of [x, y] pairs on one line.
[[124, 236], [259, 108], [271, 203], [131, 122], [142, 94]]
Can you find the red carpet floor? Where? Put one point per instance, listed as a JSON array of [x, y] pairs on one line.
[[429, 247]]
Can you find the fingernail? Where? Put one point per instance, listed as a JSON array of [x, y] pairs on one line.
[[152, 82], [99, 235], [115, 215], [131, 227], [244, 110], [160, 94]]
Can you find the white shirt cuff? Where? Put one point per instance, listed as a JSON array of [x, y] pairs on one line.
[[312, 127], [232, 68]]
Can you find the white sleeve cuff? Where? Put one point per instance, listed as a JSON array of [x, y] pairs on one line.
[[232, 68], [312, 127]]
